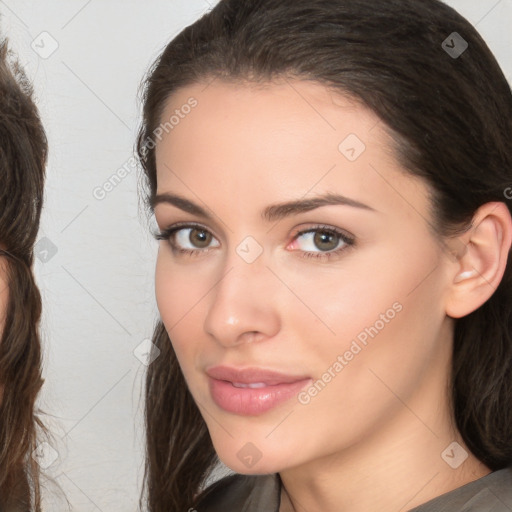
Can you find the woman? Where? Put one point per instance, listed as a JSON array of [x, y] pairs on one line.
[[23, 150], [334, 276]]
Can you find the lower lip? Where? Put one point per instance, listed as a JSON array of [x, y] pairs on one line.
[[252, 401]]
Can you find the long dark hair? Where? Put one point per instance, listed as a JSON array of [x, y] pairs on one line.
[[450, 114], [23, 154]]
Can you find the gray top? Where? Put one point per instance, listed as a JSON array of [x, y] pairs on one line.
[[261, 493]]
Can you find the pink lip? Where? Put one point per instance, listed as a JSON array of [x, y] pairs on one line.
[[275, 388]]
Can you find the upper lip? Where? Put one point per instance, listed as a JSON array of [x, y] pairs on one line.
[[252, 375]]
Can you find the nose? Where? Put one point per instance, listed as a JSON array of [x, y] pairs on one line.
[[243, 305]]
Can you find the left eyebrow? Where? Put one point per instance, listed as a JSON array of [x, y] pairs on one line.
[[280, 211]]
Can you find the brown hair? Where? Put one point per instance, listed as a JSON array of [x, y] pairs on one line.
[[23, 153], [451, 119]]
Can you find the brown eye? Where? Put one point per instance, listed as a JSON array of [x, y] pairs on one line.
[[322, 242], [326, 240], [200, 238], [190, 239]]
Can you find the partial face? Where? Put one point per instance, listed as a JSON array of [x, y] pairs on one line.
[[298, 282]]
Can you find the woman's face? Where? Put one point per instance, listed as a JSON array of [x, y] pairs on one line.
[[312, 258]]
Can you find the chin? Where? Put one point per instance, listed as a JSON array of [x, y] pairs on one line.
[[247, 459], [259, 468]]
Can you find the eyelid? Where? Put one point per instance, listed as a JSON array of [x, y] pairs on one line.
[[348, 243], [167, 235], [342, 233], [347, 239], [182, 225]]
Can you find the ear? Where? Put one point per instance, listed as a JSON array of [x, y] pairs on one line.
[[475, 275]]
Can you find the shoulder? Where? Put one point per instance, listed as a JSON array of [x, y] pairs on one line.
[[491, 493], [245, 493]]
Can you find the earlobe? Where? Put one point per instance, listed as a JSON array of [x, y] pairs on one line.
[[477, 273]]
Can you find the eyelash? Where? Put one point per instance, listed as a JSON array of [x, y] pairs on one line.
[[167, 235], [349, 242]]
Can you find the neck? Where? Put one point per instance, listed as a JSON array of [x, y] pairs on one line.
[[395, 468]]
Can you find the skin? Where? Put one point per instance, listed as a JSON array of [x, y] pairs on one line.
[[381, 424]]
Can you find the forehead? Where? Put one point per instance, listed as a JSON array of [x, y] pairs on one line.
[[283, 140], [256, 114]]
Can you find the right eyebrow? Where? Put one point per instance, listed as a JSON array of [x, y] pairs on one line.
[[181, 203]]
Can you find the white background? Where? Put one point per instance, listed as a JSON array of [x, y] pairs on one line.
[[98, 287]]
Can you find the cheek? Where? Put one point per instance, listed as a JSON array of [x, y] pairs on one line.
[[179, 295], [387, 326], [392, 310], [177, 290], [365, 285]]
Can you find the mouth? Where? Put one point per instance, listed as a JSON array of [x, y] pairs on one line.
[[252, 391]]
